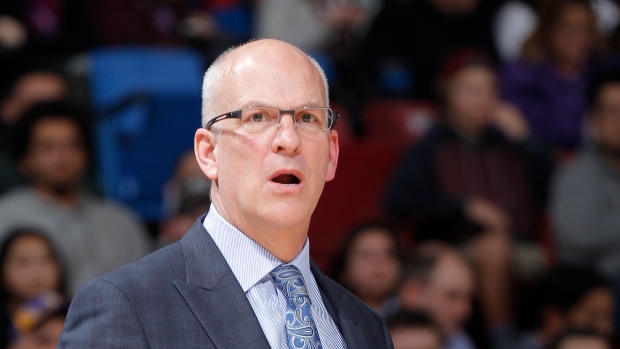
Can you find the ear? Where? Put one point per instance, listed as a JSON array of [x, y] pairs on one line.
[[334, 150], [206, 152]]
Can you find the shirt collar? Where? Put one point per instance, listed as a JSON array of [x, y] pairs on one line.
[[249, 261]]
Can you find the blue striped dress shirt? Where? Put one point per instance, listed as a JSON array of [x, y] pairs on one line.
[[251, 264]]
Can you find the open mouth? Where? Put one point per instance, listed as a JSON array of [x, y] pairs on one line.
[[286, 178]]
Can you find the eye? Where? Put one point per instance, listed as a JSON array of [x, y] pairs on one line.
[[258, 117], [307, 118]]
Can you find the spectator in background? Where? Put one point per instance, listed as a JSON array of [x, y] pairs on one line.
[[516, 20], [51, 147], [30, 266], [39, 322], [475, 180], [47, 28], [186, 197], [585, 202], [30, 88], [414, 330], [438, 281], [581, 339], [313, 25], [570, 298], [368, 265], [548, 83], [412, 37]]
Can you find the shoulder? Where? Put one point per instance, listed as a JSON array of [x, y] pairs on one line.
[[110, 210], [584, 166], [18, 196], [521, 71]]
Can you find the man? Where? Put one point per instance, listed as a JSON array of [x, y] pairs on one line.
[[31, 88], [236, 273], [93, 236], [438, 281], [570, 298], [476, 180], [586, 194], [414, 330]]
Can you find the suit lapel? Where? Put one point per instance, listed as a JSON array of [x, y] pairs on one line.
[[341, 308], [215, 296]]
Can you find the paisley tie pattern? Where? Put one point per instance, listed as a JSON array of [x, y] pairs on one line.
[[301, 331]]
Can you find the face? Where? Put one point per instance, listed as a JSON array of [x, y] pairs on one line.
[[582, 342], [471, 97], [30, 268], [33, 88], [56, 157], [607, 118], [415, 338], [372, 266], [595, 311], [448, 295], [267, 184], [45, 337], [572, 37]]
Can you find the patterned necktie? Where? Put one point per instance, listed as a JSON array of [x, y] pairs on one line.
[[301, 331]]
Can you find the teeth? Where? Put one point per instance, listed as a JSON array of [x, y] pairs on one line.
[[286, 179]]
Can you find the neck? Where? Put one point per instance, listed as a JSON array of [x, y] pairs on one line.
[[67, 197], [467, 132], [284, 243]]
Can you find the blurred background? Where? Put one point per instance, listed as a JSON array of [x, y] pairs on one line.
[[477, 198]]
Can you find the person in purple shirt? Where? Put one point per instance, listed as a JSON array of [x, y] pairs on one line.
[[548, 83]]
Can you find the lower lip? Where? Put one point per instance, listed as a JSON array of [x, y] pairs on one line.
[[286, 188]]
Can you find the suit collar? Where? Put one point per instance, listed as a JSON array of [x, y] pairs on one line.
[[341, 307], [214, 295]]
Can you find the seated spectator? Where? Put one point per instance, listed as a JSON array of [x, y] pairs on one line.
[[475, 180], [438, 281], [569, 298], [411, 39], [581, 339], [51, 148], [414, 330], [30, 88], [30, 267], [368, 265], [39, 322], [548, 83], [186, 197], [585, 202]]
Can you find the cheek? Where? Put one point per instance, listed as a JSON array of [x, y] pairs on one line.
[[15, 277]]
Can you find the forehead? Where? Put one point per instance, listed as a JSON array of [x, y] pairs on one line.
[[274, 76], [452, 272]]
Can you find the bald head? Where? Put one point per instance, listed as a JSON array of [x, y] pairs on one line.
[[248, 59]]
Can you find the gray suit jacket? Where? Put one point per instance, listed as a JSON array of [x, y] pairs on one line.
[[186, 296]]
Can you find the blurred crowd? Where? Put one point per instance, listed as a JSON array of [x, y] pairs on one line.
[[497, 228]]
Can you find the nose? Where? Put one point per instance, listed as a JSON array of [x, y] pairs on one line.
[[287, 140]]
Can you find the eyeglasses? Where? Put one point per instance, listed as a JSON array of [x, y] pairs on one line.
[[308, 120]]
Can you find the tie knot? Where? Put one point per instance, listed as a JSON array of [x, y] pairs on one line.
[[290, 281]]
